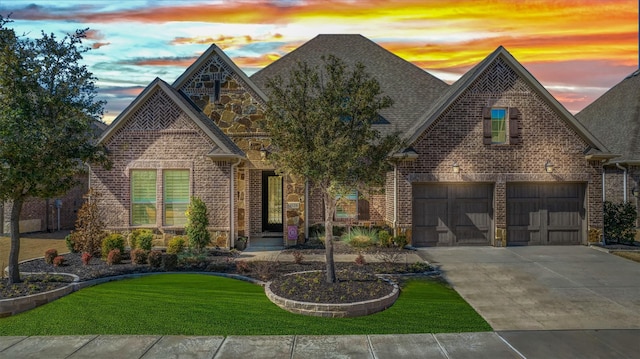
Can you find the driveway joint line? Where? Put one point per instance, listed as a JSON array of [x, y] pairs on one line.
[[442, 349], [151, 346], [219, 347], [373, 353], [82, 346], [511, 346]]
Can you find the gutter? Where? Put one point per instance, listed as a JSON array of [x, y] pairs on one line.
[[306, 209], [395, 199]]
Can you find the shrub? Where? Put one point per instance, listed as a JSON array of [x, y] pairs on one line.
[[89, 231], [384, 238], [71, 246], [111, 242], [197, 223], [419, 267], [401, 241], [49, 255], [243, 267], [86, 258], [360, 237], [169, 261], [58, 261], [155, 259], [141, 238], [114, 257], [139, 256], [176, 244], [360, 260], [298, 257], [619, 222]]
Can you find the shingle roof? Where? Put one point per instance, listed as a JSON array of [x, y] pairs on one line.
[[455, 90], [615, 118], [225, 147], [412, 89]]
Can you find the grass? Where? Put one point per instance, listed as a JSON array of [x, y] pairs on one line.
[[633, 255], [194, 304], [30, 248]]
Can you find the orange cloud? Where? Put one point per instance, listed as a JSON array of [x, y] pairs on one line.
[[165, 61], [97, 45]]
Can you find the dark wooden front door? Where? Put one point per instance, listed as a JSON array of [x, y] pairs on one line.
[[271, 202]]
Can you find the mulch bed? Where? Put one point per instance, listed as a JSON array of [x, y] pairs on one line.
[[223, 261]]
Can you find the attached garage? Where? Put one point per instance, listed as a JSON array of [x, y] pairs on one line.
[[452, 214], [545, 213]]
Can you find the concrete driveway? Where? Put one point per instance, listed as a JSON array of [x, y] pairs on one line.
[[544, 287]]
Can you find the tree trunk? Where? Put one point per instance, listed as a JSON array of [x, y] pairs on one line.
[[14, 253], [329, 210]]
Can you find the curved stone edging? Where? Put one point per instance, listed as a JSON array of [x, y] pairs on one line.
[[12, 306], [343, 310]]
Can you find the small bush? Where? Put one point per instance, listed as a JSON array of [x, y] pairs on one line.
[[49, 255], [141, 238], [197, 223], [114, 257], [71, 245], [243, 266], [86, 258], [169, 261], [113, 241], [619, 222], [58, 261], [401, 241], [176, 244], [298, 257], [385, 239], [89, 231], [155, 259], [139, 256], [389, 256], [360, 260], [419, 267], [360, 237]]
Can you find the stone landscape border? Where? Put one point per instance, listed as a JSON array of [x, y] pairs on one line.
[[342, 310]]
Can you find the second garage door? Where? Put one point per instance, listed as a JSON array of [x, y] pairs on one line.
[[452, 214], [545, 213]]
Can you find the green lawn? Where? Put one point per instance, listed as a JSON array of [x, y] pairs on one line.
[[193, 304]]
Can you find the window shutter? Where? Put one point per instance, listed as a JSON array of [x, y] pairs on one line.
[[515, 127], [486, 125]]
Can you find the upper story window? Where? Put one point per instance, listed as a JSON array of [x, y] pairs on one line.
[[502, 126], [498, 125]]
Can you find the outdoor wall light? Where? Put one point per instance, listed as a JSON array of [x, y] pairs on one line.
[[456, 168], [548, 166], [635, 192], [263, 152]]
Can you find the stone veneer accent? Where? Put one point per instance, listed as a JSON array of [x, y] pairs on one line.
[[345, 310], [457, 137]]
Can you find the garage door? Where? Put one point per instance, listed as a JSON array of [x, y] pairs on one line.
[[541, 214], [452, 214]]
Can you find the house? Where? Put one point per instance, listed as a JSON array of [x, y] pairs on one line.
[[615, 119], [492, 156]]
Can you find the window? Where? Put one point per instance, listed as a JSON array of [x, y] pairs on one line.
[[495, 128], [498, 125], [176, 197], [143, 197], [347, 207]]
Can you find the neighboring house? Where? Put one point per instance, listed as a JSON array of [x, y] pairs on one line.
[[478, 149], [50, 214], [615, 119]]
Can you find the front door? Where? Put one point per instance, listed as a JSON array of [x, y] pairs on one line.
[[271, 202]]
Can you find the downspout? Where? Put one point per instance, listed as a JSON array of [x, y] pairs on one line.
[[395, 199], [604, 198], [624, 182], [232, 202], [306, 209]]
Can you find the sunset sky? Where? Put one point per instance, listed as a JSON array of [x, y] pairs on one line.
[[576, 49]]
